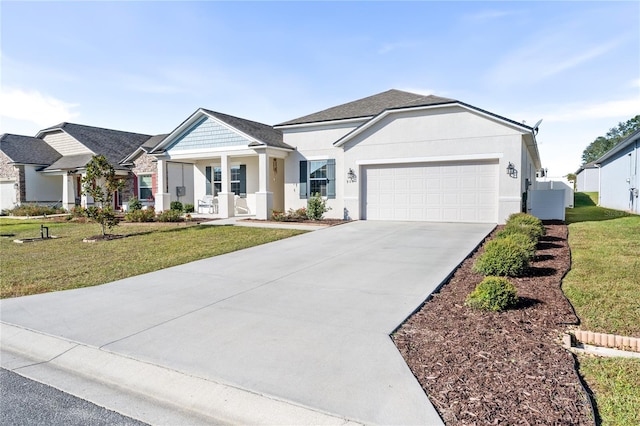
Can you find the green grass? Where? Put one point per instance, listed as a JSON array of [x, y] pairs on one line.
[[67, 262], [616, 383], [603, 286], [604, 282]]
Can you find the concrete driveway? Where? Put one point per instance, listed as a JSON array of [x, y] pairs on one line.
[[295, 331]]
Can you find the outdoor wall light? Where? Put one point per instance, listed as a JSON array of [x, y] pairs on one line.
[[351, 176], [511, 170]]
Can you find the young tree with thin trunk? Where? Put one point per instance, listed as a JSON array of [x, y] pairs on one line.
[[100, 183]]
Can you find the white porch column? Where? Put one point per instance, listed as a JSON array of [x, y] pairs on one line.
[[68, 193], [162, 199], [264, 198], [85, 200], [226, 202]]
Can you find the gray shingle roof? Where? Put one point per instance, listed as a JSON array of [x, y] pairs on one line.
[[113, 144], [72, 162], [262, 132], [27, 150], [152, 142], [370, 106]]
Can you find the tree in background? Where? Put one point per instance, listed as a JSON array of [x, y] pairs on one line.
[[100, 183], [614, 136]]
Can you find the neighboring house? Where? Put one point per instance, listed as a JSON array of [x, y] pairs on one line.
[[588, 178], [48, 167], [403, 156], [619, 175], [143, 184], [21, 158], [237, 163]]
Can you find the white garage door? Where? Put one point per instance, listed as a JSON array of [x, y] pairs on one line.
[[442, 192], [7, 195]]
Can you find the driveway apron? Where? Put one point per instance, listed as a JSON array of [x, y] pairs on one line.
[[304, 321]]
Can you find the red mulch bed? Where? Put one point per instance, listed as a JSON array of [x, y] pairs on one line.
[[507, 367]]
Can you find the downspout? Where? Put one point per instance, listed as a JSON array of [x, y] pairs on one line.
[[598, 166]]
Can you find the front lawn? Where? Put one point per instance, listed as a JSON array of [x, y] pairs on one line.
[[67, 262], [603, 286]]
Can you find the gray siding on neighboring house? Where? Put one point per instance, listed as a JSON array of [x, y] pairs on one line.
[[620, 176], [588, 180]]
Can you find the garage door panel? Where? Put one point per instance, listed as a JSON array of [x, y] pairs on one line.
[[456, 192]]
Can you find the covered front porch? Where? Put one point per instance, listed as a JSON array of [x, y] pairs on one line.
[[221, 163], [246, 182]]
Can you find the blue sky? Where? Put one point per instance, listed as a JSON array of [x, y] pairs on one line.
[[146, 66]]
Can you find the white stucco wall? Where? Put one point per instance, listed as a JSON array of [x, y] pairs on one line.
[[40, 187], [453, 134]]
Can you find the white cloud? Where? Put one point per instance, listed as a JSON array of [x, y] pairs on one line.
[[543, 58], [490, 14], [399, 45], [614, 109], [35, 107]]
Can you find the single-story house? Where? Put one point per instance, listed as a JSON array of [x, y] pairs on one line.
[[588, 178], [228, 164], [47, 168], [403, 156], [620, 175], [391, 156]]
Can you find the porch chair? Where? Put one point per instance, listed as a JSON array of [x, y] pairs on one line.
[[209, 202]]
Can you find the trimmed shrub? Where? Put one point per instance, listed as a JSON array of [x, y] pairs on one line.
[[78, 211], [493, 294], [316, 207], [502, 257], [189, 208], [176, 205], [526, 223], [172, 215], [147, 215], [278, 216], [521, 238], [34, 210], [134, 204]]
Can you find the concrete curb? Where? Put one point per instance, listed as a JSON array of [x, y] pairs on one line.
[[202, 399]]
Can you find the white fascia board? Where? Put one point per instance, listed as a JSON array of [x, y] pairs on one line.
[[131, 157], [387, 112], [322, 123], [435, 159], [57, 172], [195, 154], [537, 162]]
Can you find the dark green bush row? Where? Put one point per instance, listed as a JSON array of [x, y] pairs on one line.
[[493, 294], [502, 257], [513, 248], [527, 224]]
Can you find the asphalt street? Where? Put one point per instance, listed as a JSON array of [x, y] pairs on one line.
[[26, 402]]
